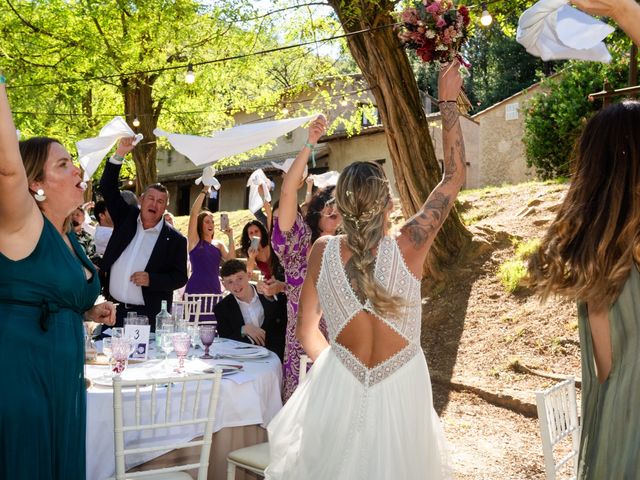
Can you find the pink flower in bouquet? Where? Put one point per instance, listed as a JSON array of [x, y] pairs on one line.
[[433, 8], [440, 22], [410, 15]]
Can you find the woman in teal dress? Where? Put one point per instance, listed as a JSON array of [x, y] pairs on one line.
[[47, 287], [591, 254]]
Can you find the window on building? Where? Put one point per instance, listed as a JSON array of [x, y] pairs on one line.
[[366, 121], [511, 111]]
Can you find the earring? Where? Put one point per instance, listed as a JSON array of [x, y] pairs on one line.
[[39, 195]]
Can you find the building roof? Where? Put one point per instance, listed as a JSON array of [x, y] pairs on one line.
[[524, 91]]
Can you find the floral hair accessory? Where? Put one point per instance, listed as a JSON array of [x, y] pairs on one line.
[[436, 30]]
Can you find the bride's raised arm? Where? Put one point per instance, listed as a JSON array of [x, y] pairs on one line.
[[17, 207], [418, 233]]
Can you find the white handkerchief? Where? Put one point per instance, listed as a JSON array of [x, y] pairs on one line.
[[256, 179], [326, 179], [91, 151], [553, 30], [286, 165], [208, 178], [226, 143]]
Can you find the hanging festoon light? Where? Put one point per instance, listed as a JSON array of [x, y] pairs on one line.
[[485, 18], [285, 111], [344, 101], [190, 76], [136, 122]]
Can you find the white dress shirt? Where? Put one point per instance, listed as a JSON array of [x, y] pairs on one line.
[[252, 311], [134, 259], [101, 238]]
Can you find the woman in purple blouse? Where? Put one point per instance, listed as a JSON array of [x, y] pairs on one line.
[[291, 238]]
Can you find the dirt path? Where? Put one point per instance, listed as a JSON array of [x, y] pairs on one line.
[[476, 333]]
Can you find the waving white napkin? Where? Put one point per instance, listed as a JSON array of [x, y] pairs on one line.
[[91, 151], [208, 178], [257, 179], [226, 143], [553, 30], [286, 165], [326, 179]]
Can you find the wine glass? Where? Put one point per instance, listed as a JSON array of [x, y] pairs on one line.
[[207, 334], [181, 344], [106, 348], [120, 351]]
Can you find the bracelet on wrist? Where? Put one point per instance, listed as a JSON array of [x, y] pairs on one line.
[[118, 158], [313, 153], [3, 79]]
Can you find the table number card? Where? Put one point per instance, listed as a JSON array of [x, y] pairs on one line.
[[140, 336]]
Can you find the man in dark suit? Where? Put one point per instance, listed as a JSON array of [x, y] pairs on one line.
[[247, 315], [146, 259]]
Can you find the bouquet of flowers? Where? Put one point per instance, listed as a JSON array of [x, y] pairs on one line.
[[435, 29]]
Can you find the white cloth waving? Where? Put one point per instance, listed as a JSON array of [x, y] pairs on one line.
[[208, 178], [91, 151], [257, 179], [553, 30], [226, 143], [326, 179]]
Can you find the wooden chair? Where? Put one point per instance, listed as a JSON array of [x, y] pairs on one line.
[[255, 458], [153, 415], [558, 417], [184, 310]]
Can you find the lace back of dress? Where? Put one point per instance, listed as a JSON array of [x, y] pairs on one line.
[[348, 319]]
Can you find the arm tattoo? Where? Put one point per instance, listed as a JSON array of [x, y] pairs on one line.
[[449, 113], [428, 222]]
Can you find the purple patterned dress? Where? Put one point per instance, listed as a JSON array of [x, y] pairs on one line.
[[292, 248]]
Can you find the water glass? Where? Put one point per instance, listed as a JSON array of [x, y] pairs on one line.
[[106, 348], [166, 343], [181, 344], [117, 332], [207, 334]]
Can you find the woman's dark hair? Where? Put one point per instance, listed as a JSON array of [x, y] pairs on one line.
[[314, 210], [245, 241], [201, 216], [592, 244]]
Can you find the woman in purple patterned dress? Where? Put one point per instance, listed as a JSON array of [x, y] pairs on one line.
[[291, 238]]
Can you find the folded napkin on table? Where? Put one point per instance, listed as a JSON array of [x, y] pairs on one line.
[[553, 30]]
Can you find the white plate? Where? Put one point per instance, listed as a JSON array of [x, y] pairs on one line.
[[227, 369]]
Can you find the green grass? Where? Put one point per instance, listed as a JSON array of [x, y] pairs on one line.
[[513, 271]]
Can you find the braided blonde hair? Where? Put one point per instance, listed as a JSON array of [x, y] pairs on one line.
[[362, 196]]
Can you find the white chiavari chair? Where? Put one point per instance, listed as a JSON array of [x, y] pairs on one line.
[[173, 403]]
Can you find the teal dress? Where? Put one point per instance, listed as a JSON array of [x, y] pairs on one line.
[[42, 397], [610, 440]]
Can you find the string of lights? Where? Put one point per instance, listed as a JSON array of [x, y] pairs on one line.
[[190, 76]]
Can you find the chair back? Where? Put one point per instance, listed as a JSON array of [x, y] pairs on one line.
[[186, 310], [302, 374], [208, 301], [152, 421], [559, 428]]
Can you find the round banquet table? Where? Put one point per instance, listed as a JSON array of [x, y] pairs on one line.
[[248, 400]]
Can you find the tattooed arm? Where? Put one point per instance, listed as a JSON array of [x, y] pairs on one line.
[[309, 310], [418, 233]]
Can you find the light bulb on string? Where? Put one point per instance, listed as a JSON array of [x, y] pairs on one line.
[[190, 76], [285, 111], [343, 101], [485, 18], [136, 122]]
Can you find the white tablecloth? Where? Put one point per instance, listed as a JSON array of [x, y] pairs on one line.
[[251, 397]]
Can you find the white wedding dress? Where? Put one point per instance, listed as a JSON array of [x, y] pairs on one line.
[[347, 421]]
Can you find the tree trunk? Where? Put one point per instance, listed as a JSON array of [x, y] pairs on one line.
[[138, 103], [386, 69]]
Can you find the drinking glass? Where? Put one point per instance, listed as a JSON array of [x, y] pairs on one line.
[[166, 343], [131, 318], [207, 334], [181, 344], [120, 351], [117, 332], [142, 320], [106, 348], [194, 333]]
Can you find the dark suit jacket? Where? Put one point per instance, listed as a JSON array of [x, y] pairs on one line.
[[167, 266], [230, 321]]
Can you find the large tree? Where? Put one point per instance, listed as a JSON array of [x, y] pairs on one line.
[[386, 68]]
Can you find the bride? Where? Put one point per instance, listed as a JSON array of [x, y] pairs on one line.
[[366, 410]]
